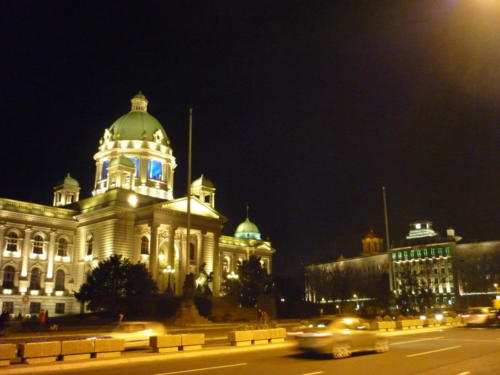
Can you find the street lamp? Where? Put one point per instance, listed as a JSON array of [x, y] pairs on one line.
[[169, 271], [497, 289], [233, 276]]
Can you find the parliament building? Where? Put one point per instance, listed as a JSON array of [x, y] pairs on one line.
[[47, 251]]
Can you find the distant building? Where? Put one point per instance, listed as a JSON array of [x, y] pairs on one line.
[[46, 252], [454, 274]]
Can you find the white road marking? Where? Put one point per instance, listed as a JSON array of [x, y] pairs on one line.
[[202, 369], [313, 373], [433, 351], [407, 342], [464, 373]]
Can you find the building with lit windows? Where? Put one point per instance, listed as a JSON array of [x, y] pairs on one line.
[[453, 273], [46, 251]]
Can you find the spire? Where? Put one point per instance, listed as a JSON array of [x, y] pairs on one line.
[[248, 209], [139, 102]]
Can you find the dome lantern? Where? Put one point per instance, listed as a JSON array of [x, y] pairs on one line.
[[139, 102]]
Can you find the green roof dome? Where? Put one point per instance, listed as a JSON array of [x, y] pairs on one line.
[[122, 160], [68, 180], [247, 229], [138, 124], [203, 181]]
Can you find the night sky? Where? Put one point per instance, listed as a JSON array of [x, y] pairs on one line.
[[303, 109]]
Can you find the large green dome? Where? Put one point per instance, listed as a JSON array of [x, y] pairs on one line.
[[247, 229], [138, 124]]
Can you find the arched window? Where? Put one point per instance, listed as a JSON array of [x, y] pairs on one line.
[[90, 245], [226, 264], [38, 245], [8, 277], [144, 245], [60, 276], [12, 240], [35, 279], [62, 247]]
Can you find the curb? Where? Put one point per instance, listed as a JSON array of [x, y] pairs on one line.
[[153, 357]]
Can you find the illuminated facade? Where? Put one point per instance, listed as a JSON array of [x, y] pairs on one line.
[[47, 251], [425, 264]]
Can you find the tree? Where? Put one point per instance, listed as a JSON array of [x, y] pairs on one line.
[[252, 282], [114, 282]]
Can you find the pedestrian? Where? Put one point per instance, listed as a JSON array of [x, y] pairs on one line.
[[42, 319], [265, 319], [120, 317]]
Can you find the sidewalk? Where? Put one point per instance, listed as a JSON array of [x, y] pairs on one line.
[[141, 357]]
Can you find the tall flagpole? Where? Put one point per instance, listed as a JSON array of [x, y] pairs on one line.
[[188, 194], [387, 241]]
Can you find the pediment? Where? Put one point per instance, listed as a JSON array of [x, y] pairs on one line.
[[197, 207]]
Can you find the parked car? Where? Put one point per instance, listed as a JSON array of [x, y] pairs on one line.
[[137, 334], [340, 336], [481, 316]]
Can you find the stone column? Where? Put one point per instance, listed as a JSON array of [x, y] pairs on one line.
[[217, 267], [50, 255], [153, 255], [2, 238], [26, 251]]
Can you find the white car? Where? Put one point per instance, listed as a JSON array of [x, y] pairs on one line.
[[137, 334], [340, 336]]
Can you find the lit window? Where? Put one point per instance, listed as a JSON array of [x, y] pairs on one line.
[[137, 164], [38, 245], [90, 245], [35, 279], [12, 241], [192, 253], [144, 245], [60, 308], [154, 170], [60, 276], [8, 277], [104, 171], [62, 247]]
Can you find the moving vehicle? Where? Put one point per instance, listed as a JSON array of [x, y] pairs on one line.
[[340, 336], [478, 316], [137, 334]]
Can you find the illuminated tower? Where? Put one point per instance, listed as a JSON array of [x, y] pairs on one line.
[[204, 189], [66, 192], [372, 244], [140, 138]]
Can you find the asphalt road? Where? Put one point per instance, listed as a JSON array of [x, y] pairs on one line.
[[456, 351]]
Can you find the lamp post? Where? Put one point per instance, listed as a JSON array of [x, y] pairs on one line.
[[233, 276], [497, 289], [169, 271]]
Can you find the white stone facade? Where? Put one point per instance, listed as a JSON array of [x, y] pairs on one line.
[[46, 251]]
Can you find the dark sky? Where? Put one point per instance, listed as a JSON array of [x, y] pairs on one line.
[[304, 109]]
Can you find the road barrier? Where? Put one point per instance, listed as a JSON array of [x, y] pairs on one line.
[[108, 348], [384, 325], [7, 353], [39, 352], [192, 341], [165, 343], [257, 336], [76, 350]]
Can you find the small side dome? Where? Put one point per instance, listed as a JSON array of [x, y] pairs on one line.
[[68, 180], [247, 229], [122, 161], [202, 181]]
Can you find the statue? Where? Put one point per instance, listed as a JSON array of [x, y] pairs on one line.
[[187, 312]]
